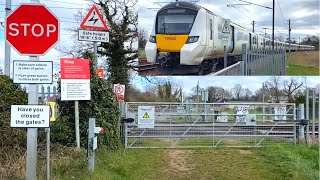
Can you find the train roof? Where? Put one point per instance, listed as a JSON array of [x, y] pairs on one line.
[[181, 4]]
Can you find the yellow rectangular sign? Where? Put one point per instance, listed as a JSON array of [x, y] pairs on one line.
[[52, 111]]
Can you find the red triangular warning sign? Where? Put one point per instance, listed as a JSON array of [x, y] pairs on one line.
[[94, 20]]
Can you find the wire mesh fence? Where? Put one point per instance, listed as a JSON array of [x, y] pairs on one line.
[[212, 125]]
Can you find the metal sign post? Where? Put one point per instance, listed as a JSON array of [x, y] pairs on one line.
[[76, 117]]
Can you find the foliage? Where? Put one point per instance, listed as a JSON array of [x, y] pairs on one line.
[[10, 94], [122, 20], [102, 107], [311, 40]]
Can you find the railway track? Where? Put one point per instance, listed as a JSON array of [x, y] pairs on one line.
[[145, 67]]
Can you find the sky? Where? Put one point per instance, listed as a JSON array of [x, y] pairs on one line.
[[304, 19], [64, 10], [304, 15], [253, 83]]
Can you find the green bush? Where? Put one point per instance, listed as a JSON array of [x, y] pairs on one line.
[[102, 106], [10, 94]]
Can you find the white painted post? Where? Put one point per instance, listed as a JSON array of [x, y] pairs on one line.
[[7, 51], [92, 124], [32, 134], [301, 116], [307, 112], [313, 116]]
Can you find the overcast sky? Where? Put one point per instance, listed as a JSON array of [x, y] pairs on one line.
[[64, 10], [304, 15]]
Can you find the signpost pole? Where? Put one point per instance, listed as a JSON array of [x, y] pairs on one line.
[[95, 62], [7, 45], [48, 153], [32, 133], [76, 115]]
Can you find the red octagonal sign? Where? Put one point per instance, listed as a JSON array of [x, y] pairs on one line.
[[32, 29]]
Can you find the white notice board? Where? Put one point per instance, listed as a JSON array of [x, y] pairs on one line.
[[146, 116], [32, 72], [30, 116]]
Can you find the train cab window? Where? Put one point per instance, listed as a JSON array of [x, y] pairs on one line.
[[211, 32], [175, 21]]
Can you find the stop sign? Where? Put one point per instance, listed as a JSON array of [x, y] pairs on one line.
[[32, 29]]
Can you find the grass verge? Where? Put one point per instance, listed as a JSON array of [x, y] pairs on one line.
[[303, 63], [273, 162]]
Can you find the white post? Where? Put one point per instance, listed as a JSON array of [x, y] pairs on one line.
[[301, 116], [32, 134], [48, 153], [7, 47], [314, 116], [76, 116], [92, 124]]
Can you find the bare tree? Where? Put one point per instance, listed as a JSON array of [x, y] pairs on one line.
[[274, 87], [247, 94], [290, 87], [142, 38], [216, 93], [237, 91]]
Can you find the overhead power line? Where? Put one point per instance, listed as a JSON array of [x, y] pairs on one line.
[[280, 10]]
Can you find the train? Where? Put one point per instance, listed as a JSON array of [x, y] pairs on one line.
[[187, 38]]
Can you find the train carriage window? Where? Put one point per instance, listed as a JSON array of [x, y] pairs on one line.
[[211, 32]]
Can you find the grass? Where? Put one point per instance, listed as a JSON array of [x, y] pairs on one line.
[[303, 63], [272, 162], [298, 70]]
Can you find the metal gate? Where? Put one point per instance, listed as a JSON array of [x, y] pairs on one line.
[[190, 125]]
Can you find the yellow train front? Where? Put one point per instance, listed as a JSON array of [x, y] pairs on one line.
[[172, 45]]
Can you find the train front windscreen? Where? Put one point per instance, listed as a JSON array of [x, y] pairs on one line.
[[175, 21]]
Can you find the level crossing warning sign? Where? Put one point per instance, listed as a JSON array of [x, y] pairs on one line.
[[146, 116], [94, 20]]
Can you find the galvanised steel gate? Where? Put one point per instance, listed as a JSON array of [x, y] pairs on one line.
[[190, 125]]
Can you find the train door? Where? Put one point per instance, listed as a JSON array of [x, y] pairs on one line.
[[250, 42], [264, 43], [209, 33], [231, 47]]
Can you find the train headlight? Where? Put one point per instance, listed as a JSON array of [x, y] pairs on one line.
[[192, 39], [152, 39]]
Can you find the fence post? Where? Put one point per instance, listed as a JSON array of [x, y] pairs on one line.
[[307, 111], [48, 95], [42, 94], [284, 66], [301, 116], [244, 59], [314, 116]]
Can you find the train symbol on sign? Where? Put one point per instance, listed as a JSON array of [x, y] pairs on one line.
[[146, 115]]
